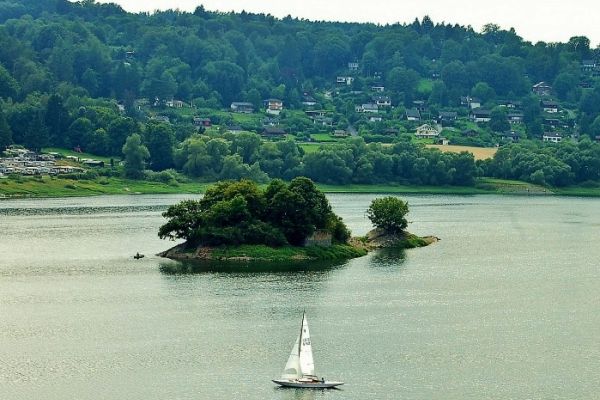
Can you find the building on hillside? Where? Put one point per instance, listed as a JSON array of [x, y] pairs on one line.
[[542, 89], [469, 133], [412, 114], [367, 108], [175, 103], [375, 118], [344, 80], [447, 117], [515, 117], [510, 136], [378, 88], [341, 133], [420, 105], [382, 101], [205, 122], [242, 107], [481, 115], [353, 66], [553, 137], [273, 131], [550, 106], [273, 106], [308, 100], [588, 65], [426, 131]]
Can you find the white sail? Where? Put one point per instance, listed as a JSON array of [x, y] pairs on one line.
[[307, 364], [292, 367]]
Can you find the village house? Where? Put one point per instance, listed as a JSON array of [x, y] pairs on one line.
[[375, 118], [469, 133], [344, 80], [510, 136], [367, 108], [273, 106], [353, 66], [340, 133], [315, 113], [481, 115], [175, 103], [588, 65], [542, 89], [382, 101], [447, 117], [550, 106], [273, 131], [378, 88], [205, 122], [270, 121], [234, 129], [426, 131], [308, 100], [553, 137], [515, 117], [420, 105], [412, 114], [242, 107]]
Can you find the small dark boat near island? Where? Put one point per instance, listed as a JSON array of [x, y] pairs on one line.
[[138, 256]]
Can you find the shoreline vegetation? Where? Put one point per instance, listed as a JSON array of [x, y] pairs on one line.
[[238, 221], [36, 187]]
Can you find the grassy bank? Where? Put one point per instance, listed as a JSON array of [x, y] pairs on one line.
[[59, 187], [251, 253]]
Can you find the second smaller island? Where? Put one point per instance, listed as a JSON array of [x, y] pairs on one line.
[[239, 221]]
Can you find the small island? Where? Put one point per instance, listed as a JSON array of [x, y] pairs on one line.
[[239, 221]]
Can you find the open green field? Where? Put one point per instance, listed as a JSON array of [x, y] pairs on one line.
[[57, 187]]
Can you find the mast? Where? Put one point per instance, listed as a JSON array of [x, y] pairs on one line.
[[301, 326]]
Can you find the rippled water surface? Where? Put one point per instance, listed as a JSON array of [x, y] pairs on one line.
[[505, 306]]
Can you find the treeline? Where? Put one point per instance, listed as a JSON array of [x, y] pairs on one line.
[[351, 161], [67, 70], [212, 58], [563, 164]]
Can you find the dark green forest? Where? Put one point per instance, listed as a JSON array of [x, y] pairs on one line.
[[92, 76]]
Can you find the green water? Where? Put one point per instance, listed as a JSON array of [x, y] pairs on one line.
[[505, 306]]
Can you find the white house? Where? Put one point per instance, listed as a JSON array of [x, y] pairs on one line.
[[426, 131]]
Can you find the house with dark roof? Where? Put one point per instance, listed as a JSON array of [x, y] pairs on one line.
[[368, 108], [273, 131], [549, 106], [481, 115], [469, 133], [382, 101], [242, 107], [447, 117], [510, 136], [542, 89], [515, 117], [412, 114], [199, 121]]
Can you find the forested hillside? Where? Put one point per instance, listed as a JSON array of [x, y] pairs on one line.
[[91, 76]]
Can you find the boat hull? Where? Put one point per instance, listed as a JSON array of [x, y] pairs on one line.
[[308, 385]]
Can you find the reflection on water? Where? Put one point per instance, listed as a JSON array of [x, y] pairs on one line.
[[248, 267], [389, 258], [286, 393]]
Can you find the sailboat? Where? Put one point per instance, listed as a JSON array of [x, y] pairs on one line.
[[299, 371]]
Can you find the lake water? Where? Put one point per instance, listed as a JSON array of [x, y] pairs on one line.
[[505, 306]]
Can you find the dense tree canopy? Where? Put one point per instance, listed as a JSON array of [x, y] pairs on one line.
[[88, 75], [239, 212]]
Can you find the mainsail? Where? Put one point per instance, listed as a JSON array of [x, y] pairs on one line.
[[307, 365], [300, 363]]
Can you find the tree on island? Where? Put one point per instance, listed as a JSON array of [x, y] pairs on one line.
[[389, 214], [239, 212]]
